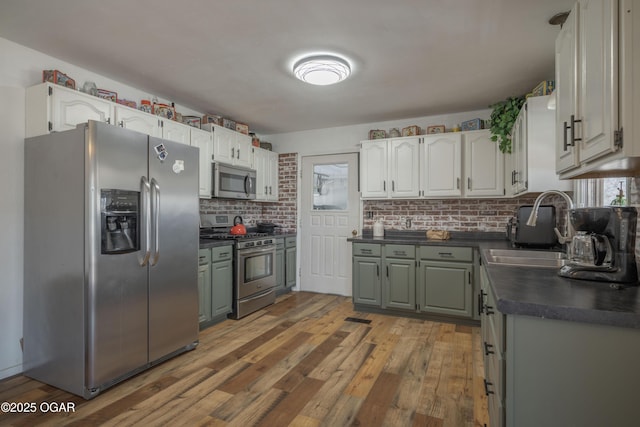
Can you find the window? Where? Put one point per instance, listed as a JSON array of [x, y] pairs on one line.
[[604, 192], [330, 186]]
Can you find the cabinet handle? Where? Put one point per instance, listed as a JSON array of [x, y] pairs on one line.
[[488, 309], [393, 186], [469, 183], [565, 143], [238, 153], [447, 254], [384, 185], [109, 120], [265, 189], [387, 271], [488, 349], [486, 387], [481, 302], [458, 183], [233, 152], [377, 270], [469, 277], [573, 130], [121, 123], [270, 190]]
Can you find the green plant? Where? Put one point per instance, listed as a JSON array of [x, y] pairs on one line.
[[503, 116]]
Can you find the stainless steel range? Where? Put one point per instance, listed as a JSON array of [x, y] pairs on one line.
[[254, 257]]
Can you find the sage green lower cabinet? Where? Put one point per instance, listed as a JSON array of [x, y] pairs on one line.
[[399, 286], [290, 261], [280, 263], [366, 279], [204, 285], [445, 281], [215, 284], [221, 281], [546, 372]]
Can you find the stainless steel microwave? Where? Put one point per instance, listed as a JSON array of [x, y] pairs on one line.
[[233, 182]]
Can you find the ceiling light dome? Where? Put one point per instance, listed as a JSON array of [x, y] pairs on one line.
[[322, 70]]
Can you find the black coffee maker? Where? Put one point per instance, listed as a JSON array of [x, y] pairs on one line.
[[603, 247]]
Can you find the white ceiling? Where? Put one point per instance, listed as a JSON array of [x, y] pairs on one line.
[[411, 58]]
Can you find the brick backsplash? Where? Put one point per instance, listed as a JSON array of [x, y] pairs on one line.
[[282, 212], [452, 214]]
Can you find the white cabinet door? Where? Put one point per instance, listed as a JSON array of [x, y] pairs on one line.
[[274, 181], [54, 108], [177, 132], [373, 169], [598, 96], [484, 165], [243, 149], [587, 84], [231, 147], [222, 144], [204, 141], [519, 153], [566, 91], [138, 120], [404, 168], [260, 160], [441, 165]]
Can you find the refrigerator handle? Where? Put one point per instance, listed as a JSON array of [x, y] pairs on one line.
[[155, 209], [146, 217]]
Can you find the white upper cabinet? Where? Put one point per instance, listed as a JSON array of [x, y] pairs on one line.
[[265, 163], [483, 165], [374, 169], [597, 61], [404, 171], [230, 147], [204, 141], [533, 146], [138, 120], [390, 168], [174, 131], [53, 108], [441, 167]]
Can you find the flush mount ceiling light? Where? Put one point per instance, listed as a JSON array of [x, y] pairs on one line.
[[322, 70]]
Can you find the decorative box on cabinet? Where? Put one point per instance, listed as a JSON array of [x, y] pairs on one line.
[[597, 95], [53, 108]]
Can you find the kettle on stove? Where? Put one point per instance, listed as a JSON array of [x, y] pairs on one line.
[[238, 228]]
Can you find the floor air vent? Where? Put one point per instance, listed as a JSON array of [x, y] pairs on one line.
[[357, 320]]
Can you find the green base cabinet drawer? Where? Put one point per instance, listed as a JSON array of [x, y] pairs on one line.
[[446, 253]]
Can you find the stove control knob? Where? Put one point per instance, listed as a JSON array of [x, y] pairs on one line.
[[258, 243]]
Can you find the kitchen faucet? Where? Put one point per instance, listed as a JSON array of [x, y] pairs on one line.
[[567, 238]]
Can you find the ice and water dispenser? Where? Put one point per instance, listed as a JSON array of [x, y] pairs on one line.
[[119, 215]]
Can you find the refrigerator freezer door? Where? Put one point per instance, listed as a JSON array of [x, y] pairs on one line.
[[173, 271], [117, 283]]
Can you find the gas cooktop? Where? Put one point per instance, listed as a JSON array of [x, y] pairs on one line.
[[211, 234]]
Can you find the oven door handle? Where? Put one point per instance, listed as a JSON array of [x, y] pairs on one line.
[[261, 295], [251, 252]]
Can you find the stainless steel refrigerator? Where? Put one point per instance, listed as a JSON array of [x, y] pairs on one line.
[[110, 255]]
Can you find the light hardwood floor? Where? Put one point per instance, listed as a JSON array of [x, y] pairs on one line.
[[295, 363]]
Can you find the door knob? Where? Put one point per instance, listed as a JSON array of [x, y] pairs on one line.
[[354, 233]]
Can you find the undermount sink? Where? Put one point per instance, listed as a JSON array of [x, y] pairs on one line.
[[526, 258]]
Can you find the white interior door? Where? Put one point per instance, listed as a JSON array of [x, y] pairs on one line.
[[330, 211]]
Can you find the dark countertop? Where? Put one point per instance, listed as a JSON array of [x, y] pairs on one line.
[[534, 291], [540, 292], [472, 239]]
